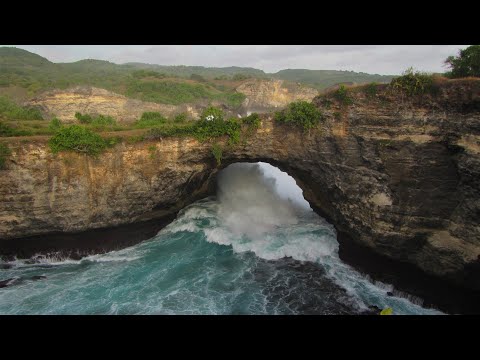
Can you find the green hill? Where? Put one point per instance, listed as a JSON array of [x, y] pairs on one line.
[[322, 79], [158, 83]]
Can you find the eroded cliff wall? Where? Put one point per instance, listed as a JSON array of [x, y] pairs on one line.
[[399, 175]]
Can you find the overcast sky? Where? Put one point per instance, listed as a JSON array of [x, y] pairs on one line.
[[375, 59]]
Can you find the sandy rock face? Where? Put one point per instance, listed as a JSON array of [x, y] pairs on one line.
[[89, 100], [400, 176], [268, 94]]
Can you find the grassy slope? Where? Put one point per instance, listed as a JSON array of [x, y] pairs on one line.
[[22, 69]]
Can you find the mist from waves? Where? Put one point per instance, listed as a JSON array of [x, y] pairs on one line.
[[255, 248]]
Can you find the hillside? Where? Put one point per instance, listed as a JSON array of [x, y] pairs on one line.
[[24, 74], [322, 79]]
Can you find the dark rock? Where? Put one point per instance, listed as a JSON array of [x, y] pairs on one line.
[[10, 282], [390, 293], [5, 266], [38, 277]]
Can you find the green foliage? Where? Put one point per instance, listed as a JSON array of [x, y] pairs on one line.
[[301, 113], [4, 154], [212, 113], [180, 118], [467, 63], [84, 119], [238, 77], [323, 79], [98, 123], [371, 90], [234, 99], [252, 120], [342, 96], [150, 119], [337, 115], [202, 129], [153, 150], [6, 131], [140, 74], [197, 77], [217, 153], [55, 124], [413, 82], [79, 139], [10, 110]]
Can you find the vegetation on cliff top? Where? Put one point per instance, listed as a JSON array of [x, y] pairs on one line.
[[79, 139], [301, 113], [466, 63]]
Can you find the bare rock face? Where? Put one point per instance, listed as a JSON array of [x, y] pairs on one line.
[[265, 95], [400, 176], [94, 101]]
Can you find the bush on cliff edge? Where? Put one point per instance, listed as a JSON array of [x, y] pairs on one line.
[[79, 139]]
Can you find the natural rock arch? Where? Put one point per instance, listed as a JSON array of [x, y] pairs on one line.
[[402, 181]]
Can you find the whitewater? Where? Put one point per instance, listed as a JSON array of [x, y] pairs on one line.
[[255, 248]]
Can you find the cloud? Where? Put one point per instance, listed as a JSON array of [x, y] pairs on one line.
[[379, 59]]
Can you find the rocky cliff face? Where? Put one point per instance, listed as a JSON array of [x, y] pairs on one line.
[[264, 95], [399, 176], [89, 100]]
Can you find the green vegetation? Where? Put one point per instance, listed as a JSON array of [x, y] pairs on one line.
[[153, 151], [413, 82], [301, 113], [467, 63], [54, 125], [10, 110], [180, 118], [79, 139], [371, 90], [150, 119], [252, 120], [141, 74], [98, 123], [4, 154], [217, 153], [342, 96], [6, 131], [322, 79]]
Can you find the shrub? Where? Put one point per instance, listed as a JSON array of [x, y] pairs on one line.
[[238, 77], [4, 154], [55, 124], [342, 96], [217, 153], [370, 90], [6, 131], [212, 113], [467, 63], [79, 139], [84, 119], [252, 120], [11, 110], [197, 77], [413, 82], [180, 118], [301, 113], [150, 119]]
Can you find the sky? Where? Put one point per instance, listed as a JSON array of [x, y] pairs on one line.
[[373, 59]]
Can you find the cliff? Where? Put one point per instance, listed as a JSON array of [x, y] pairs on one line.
[[398, 175], [264, 95], [63, 104]]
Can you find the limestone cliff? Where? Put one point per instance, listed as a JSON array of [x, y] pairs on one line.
[[90, 100], [398, 175], [265, 95]]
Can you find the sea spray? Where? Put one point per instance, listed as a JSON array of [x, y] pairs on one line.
[[248, 251]]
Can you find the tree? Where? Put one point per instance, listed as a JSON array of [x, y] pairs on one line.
[[467, 63]]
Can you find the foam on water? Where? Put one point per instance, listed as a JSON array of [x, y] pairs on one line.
[[250, 250]]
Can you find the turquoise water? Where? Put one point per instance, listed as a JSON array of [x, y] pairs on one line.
[[243, 252]]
